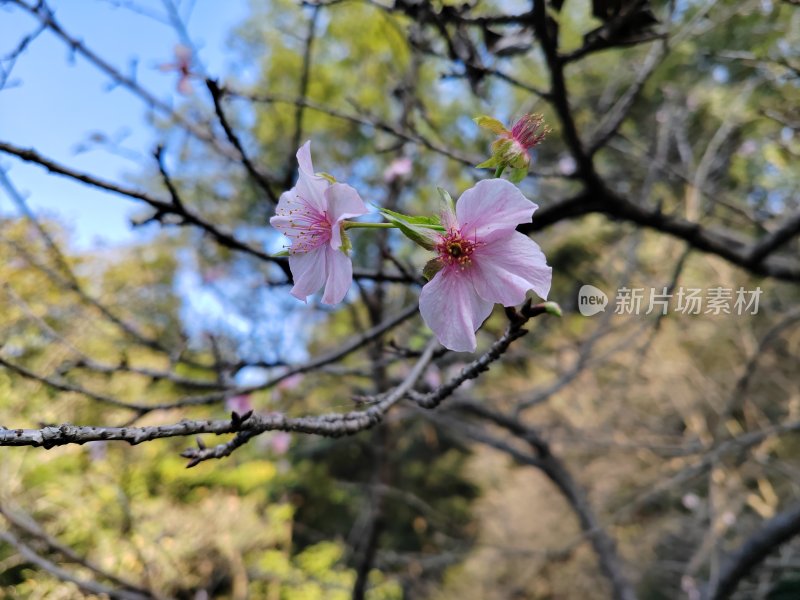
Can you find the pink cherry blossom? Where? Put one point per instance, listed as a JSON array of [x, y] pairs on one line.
[[397, 169], [239, 404], [280, 442], [291, 382], [183, 65], [484, 261], [311, 215]]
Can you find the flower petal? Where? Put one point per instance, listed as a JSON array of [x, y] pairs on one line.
[[310, 187], [504, 270], [304, 158], [343, 203], [451, 308], [339, 276], [492, 209], [289, 203], [309, 272]]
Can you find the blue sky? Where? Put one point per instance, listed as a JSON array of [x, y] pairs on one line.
[[59, 101]]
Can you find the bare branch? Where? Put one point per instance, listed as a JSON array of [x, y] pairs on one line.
[[331, 425], [560, 476], [788, 230], [547, 33], [162, 207], [766, 540], [44, 14], [30, 527], [619, 112], [91, 587], [727, 245], [258, 177], [305, 75], [514, 331], [362, 419], [214, 397]]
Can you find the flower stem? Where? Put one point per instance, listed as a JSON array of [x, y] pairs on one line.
[[355, 224], [499, 170], [369, 225]]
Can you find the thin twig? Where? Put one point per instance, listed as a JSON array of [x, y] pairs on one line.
[[91, 587]]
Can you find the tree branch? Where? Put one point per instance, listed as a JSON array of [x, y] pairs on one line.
[[362, 419], [91, 587], [514, 331], [766, 540], [44, 14], [555, 470], [258, 177], [732, 248], [30, 527]]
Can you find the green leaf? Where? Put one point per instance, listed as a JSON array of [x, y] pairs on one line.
[[491, 124], [488, 164], [419, 220], [447, 200], [518, 175], [412, 228], [280, 254], [431, 268]]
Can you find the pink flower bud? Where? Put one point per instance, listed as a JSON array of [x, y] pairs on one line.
[[512, 148]]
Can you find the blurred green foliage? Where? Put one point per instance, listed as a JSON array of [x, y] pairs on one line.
[[263, 524]]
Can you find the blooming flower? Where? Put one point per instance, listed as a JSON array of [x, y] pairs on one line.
[[311, 216], [482, 260]]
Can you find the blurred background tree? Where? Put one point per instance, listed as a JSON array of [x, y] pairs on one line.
[[620, 456]]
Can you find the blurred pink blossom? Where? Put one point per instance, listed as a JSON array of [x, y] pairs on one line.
[[748, 148], [397, 169], [691, 501], [280, 441], [291, 382], [213, 274], [690, 588], [566, 165], [97, 449], [433, 378], [239, 404], [183, 66]]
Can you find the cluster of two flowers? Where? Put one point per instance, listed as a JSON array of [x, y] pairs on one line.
[[481, 259]]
